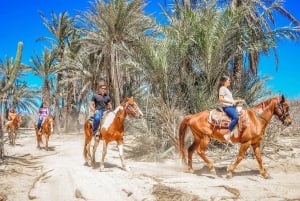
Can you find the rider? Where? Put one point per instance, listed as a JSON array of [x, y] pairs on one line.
[[43, 113], [11, 116], [227, 103], [99, 103]]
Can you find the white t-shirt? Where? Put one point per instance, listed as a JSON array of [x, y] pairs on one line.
[[226, 93]]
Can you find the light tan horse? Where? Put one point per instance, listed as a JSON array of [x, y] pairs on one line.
[[112, 129], [12, 128], [259, 117], [46, 131]]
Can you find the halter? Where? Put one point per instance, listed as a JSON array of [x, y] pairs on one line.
[[279, 107], [130, 108]]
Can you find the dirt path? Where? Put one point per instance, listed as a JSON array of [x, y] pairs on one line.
[[62, 175]]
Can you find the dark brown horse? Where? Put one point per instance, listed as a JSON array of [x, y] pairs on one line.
[[12, 127], [258, 118], [46, 130], [112, 129]]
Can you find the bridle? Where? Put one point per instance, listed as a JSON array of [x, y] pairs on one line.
[[280, 111], [132, 111]]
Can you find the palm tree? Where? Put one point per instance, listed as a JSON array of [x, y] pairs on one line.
[[45, 68], [258, 26], [23, 98], [112, 33], [61, 28]]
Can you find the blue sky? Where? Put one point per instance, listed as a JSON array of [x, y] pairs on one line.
[[20, 21]]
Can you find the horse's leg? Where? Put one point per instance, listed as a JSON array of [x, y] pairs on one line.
[[96, 143], [47, 139], [14, 138], [191, 150], [10, 133], [87, 150], [201, 151], [37, 137], [121, 154], [104, 151], [256, 150], [241, 154]]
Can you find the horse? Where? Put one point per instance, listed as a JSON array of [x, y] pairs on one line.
[[111, 129], [12, 127], [46, 130], [258, 118]]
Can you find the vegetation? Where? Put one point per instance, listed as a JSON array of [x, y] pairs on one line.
[[172, 70]]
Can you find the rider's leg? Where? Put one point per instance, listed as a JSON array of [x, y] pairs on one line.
[[97, 118], [39, 123], [232, 113]]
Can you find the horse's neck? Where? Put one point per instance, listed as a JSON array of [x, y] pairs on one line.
[[268, 108], [120, 113]]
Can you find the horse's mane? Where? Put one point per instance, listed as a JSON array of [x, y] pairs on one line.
[[264, 102]]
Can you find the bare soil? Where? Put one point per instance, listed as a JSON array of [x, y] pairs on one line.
[[61, 174]]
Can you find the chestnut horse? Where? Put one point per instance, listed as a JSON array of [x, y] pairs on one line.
[[111, 129], [46, 130], [258, 118], [12, 128]]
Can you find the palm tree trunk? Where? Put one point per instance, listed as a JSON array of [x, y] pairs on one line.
[[56, 105], [68, 107], [238, 70], [115, 74]]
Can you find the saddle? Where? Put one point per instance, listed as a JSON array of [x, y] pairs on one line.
[[91, 119], [219, 119]]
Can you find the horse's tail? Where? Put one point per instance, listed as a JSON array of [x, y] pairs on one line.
[[182, 132]]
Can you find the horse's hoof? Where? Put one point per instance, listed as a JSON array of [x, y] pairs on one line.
[[101, 168], [213, 171], [266, 176], [127, 169], [190, 170], [228, 175]]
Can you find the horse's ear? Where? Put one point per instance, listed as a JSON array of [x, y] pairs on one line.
[[282, 98]]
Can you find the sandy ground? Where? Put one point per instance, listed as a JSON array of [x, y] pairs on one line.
[[61, 174]]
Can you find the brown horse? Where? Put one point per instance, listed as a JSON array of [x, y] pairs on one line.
[[111, 129], [258, 118], [12, 127], [46, 130]]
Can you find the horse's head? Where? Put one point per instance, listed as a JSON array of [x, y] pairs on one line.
[[49, 122], [282, 110], [132, 108]]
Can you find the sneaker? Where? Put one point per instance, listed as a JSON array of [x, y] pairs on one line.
[[97, 137], [227, 137]]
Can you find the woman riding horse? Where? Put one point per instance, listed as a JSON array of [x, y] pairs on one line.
[[258, 118], [11, 116], [13, 125]]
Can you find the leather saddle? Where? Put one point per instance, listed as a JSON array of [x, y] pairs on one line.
[[219, 119], [91, 119]]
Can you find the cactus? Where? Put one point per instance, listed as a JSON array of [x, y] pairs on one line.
[[15, 68], [7, 86]]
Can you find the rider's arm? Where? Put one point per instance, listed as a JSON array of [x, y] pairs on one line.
[[109, 106], [92, 106]]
